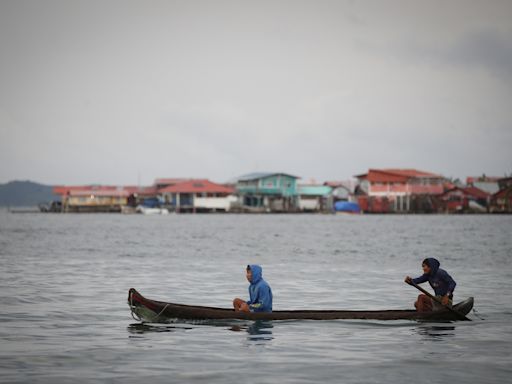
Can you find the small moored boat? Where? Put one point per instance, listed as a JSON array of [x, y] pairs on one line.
[[153, 311], [151, 210]]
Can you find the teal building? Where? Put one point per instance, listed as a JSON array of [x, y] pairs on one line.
[[268, 192]]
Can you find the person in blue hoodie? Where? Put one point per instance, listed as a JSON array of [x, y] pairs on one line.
[[260, 294], [439, 280]]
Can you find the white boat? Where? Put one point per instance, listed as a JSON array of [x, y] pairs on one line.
[[151, 211]]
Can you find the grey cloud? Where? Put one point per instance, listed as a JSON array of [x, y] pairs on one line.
[[487, 49]]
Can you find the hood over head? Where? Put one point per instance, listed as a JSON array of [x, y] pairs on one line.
[[257, 273], [434, 265]]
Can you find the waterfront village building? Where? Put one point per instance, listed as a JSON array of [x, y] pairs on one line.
[[167, 182], [267, 192], [315, 198], [484, 183], [198, 195], [398, 190], [462, 200], [378, 191], [501, 201], [92, 198], [182, 195], [343, 190], [147, 196]]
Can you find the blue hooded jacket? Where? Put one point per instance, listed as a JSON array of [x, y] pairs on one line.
[[438, 279], [260, 294]]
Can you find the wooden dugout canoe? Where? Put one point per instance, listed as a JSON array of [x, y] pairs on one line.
[[152, 311]]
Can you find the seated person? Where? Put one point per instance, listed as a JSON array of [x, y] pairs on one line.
[[260, 294], [440, 280]]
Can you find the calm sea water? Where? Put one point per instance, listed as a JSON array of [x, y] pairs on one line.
[[64, 281]]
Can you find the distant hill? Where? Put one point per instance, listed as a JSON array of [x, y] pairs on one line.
[[24, 194]]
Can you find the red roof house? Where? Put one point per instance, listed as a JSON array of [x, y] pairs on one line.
[[501, 201], [201, 186], [398, 190], [166, 182], [199, 195], [466, 199], [392, 182]]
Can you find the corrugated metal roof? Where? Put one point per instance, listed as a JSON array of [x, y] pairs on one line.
[[410, 172], [476, 192], [197, 186], [103, 190], [171, 180], [314, 190], [260, 175], [482, 179], [487, 186], [469, 191], [103, 193], [64, 189], [142, 191], [349, 185], [394, 175]]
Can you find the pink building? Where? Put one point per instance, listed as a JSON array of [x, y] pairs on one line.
[[394, 190]]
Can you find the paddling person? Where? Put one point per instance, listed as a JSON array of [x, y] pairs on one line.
[[260, 294], [439, 280]]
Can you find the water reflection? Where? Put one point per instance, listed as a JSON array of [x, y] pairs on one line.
[[142, 328], [435, 332], [258, 331]]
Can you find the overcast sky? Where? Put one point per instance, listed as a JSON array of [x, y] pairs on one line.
[[119, 92]]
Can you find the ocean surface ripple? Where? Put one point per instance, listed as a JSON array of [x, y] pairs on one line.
[[65, 278]]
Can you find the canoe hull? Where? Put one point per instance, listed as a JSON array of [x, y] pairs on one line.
[[152, 311]]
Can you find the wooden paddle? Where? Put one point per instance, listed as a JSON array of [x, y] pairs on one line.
[[459, 315]]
